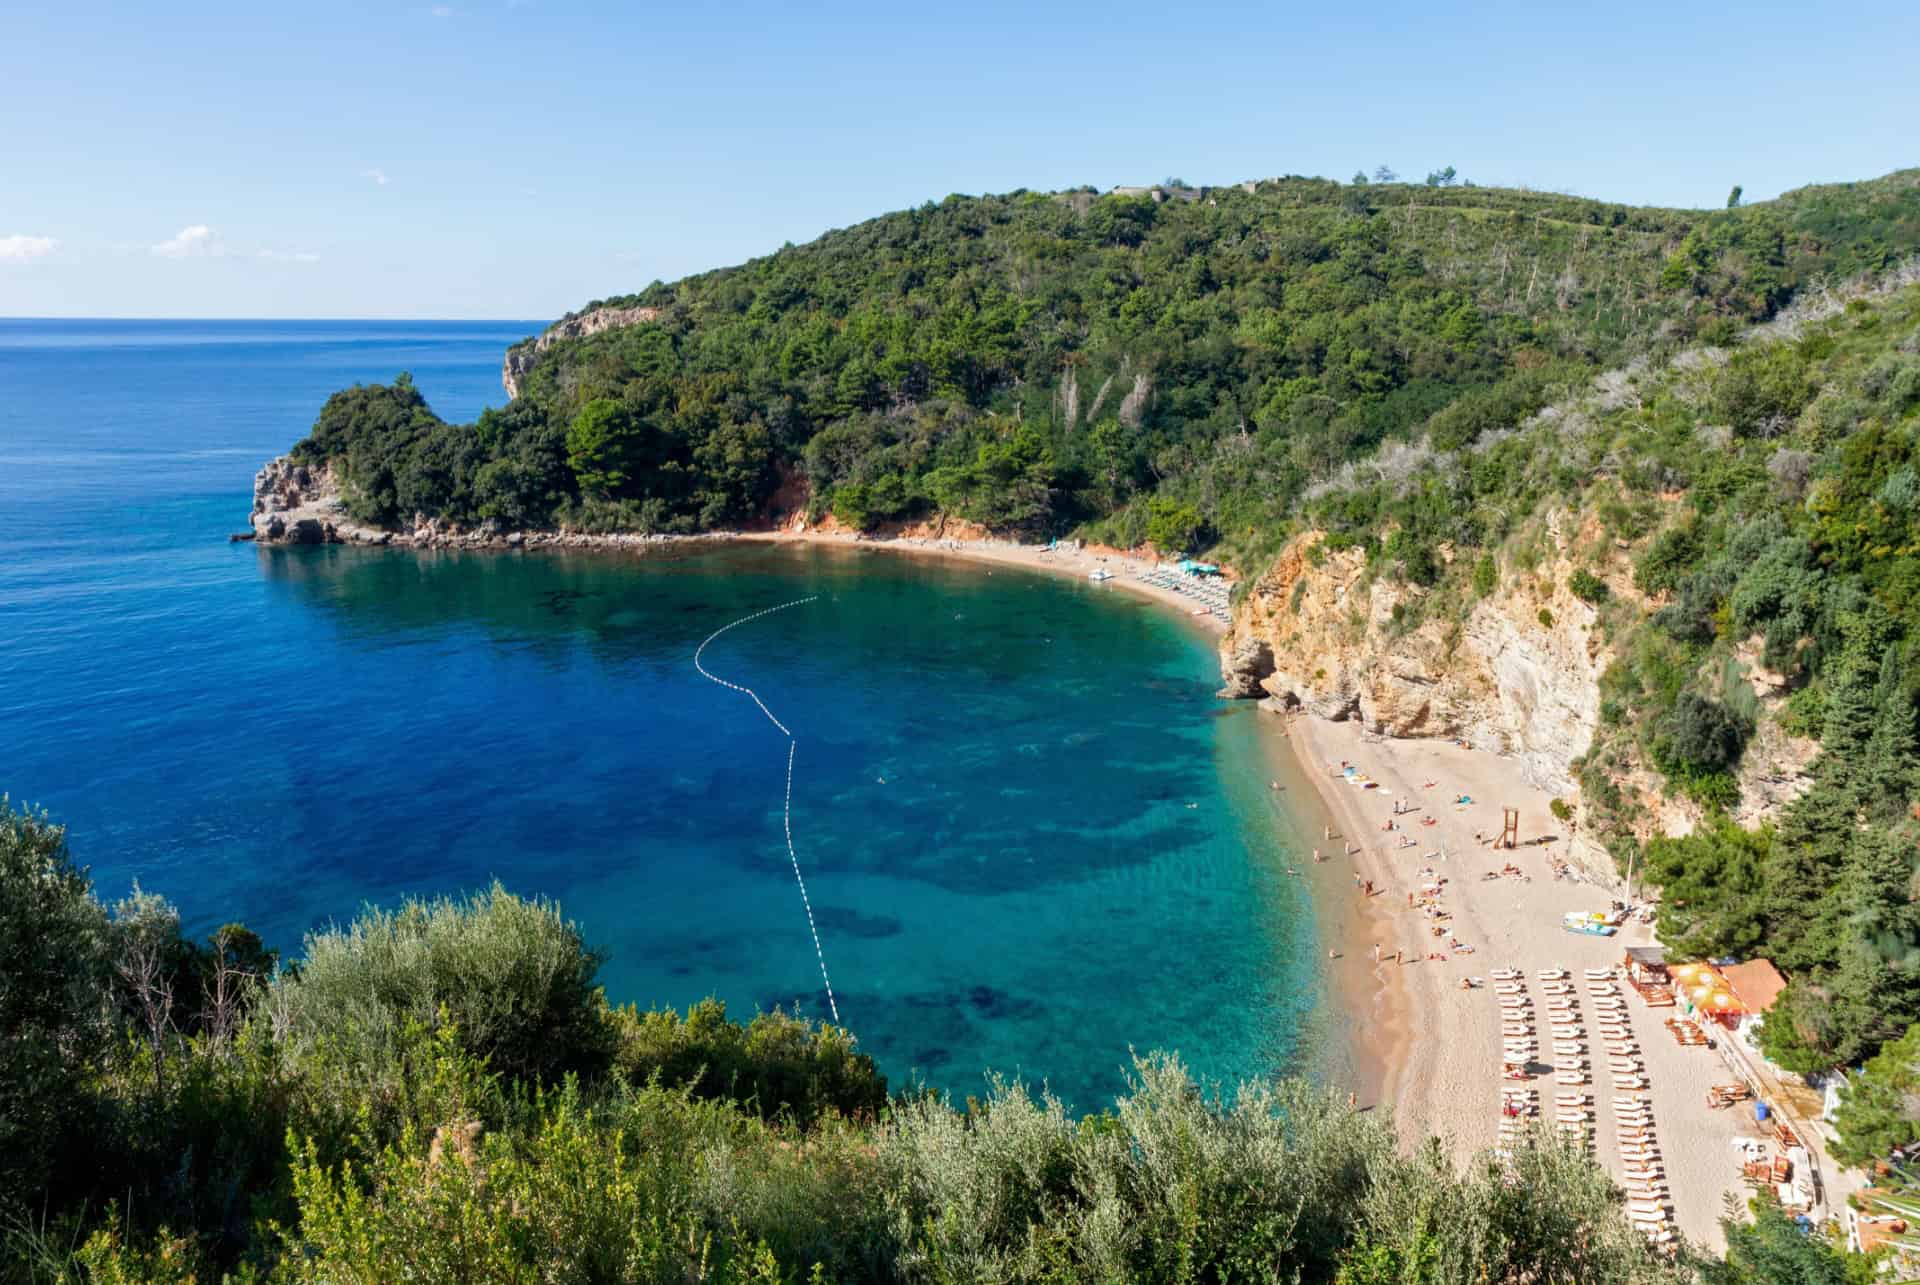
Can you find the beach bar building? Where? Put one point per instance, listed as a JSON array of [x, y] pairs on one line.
[[1756, 984]]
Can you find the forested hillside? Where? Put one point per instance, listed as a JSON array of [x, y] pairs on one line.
[[1748, 539], [441, 1093], [1121, 365]]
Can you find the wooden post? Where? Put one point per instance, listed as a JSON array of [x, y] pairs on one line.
[[1510, 828]]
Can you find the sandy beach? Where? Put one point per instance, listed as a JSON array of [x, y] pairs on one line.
[[1128, 570], [1440, 1045]]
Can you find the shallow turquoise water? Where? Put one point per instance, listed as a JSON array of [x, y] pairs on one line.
[[1031, 836]]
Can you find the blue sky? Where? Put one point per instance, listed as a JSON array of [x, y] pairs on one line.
[[491, 159]]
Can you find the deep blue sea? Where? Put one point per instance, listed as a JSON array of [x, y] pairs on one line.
[[1032, 837]]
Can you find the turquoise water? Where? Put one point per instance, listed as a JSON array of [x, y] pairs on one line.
[[1031, 836]]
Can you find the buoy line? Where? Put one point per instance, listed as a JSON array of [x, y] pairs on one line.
[[787, 811]]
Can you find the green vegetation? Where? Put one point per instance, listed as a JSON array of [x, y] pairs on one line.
[[1763, 498], [1050, 363], [440, 1093]]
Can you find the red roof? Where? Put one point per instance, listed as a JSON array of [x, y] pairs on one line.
[[1756, 983]]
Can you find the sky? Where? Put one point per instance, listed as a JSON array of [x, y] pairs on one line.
[[518, 158]]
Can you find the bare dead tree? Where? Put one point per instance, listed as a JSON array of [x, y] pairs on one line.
[[227, 998], [142, 968]]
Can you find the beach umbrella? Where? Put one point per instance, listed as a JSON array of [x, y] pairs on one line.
[[1722, 1002]]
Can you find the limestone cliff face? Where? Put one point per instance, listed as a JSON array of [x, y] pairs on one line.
[[521, 356], [1317, 631]]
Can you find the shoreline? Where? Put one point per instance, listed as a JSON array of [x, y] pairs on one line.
[[1062, 560], [1363, 1021], [1436, 1046]]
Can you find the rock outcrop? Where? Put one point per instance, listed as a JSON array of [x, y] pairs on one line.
[[298, 502], [1517, 674], [295, 502], [521, 357]]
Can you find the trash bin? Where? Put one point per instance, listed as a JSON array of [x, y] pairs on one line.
[[1760, 1112]]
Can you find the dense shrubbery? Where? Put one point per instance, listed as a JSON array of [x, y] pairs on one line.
[[439, 1093], [1037, 363]]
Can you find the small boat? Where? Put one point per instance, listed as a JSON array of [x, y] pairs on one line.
[[1099, 574]]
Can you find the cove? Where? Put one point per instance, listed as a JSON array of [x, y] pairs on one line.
[[1032, 836]]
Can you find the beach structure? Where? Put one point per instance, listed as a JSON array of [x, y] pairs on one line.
[[1211, 594], [1509, 828]]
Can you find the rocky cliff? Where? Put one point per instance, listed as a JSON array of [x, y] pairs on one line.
[[1516, 672], [295, 502], [521, 357]]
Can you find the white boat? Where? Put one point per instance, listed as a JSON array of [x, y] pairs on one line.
[[1099, 574]]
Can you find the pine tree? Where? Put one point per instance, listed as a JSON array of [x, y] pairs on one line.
[[1891, 752]]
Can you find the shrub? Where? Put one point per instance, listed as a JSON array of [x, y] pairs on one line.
[[782, 1066], [53, 990], [1172, 527], [1699, 736], [1587, 587], [1486, 575], [512, 975], [1666, 560]]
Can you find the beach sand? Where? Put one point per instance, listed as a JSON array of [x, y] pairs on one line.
[[1439, 1046], [1062, 560]]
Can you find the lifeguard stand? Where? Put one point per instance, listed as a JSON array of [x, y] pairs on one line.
[[1509, 828]]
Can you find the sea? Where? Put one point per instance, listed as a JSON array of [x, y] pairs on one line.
[[1032, 840]]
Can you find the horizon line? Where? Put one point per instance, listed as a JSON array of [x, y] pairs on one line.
[[209, 317]]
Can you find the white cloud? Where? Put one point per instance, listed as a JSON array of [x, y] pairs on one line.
[[19, 248], [196, 242], [441, 11], [288, 256], [378, 176]]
